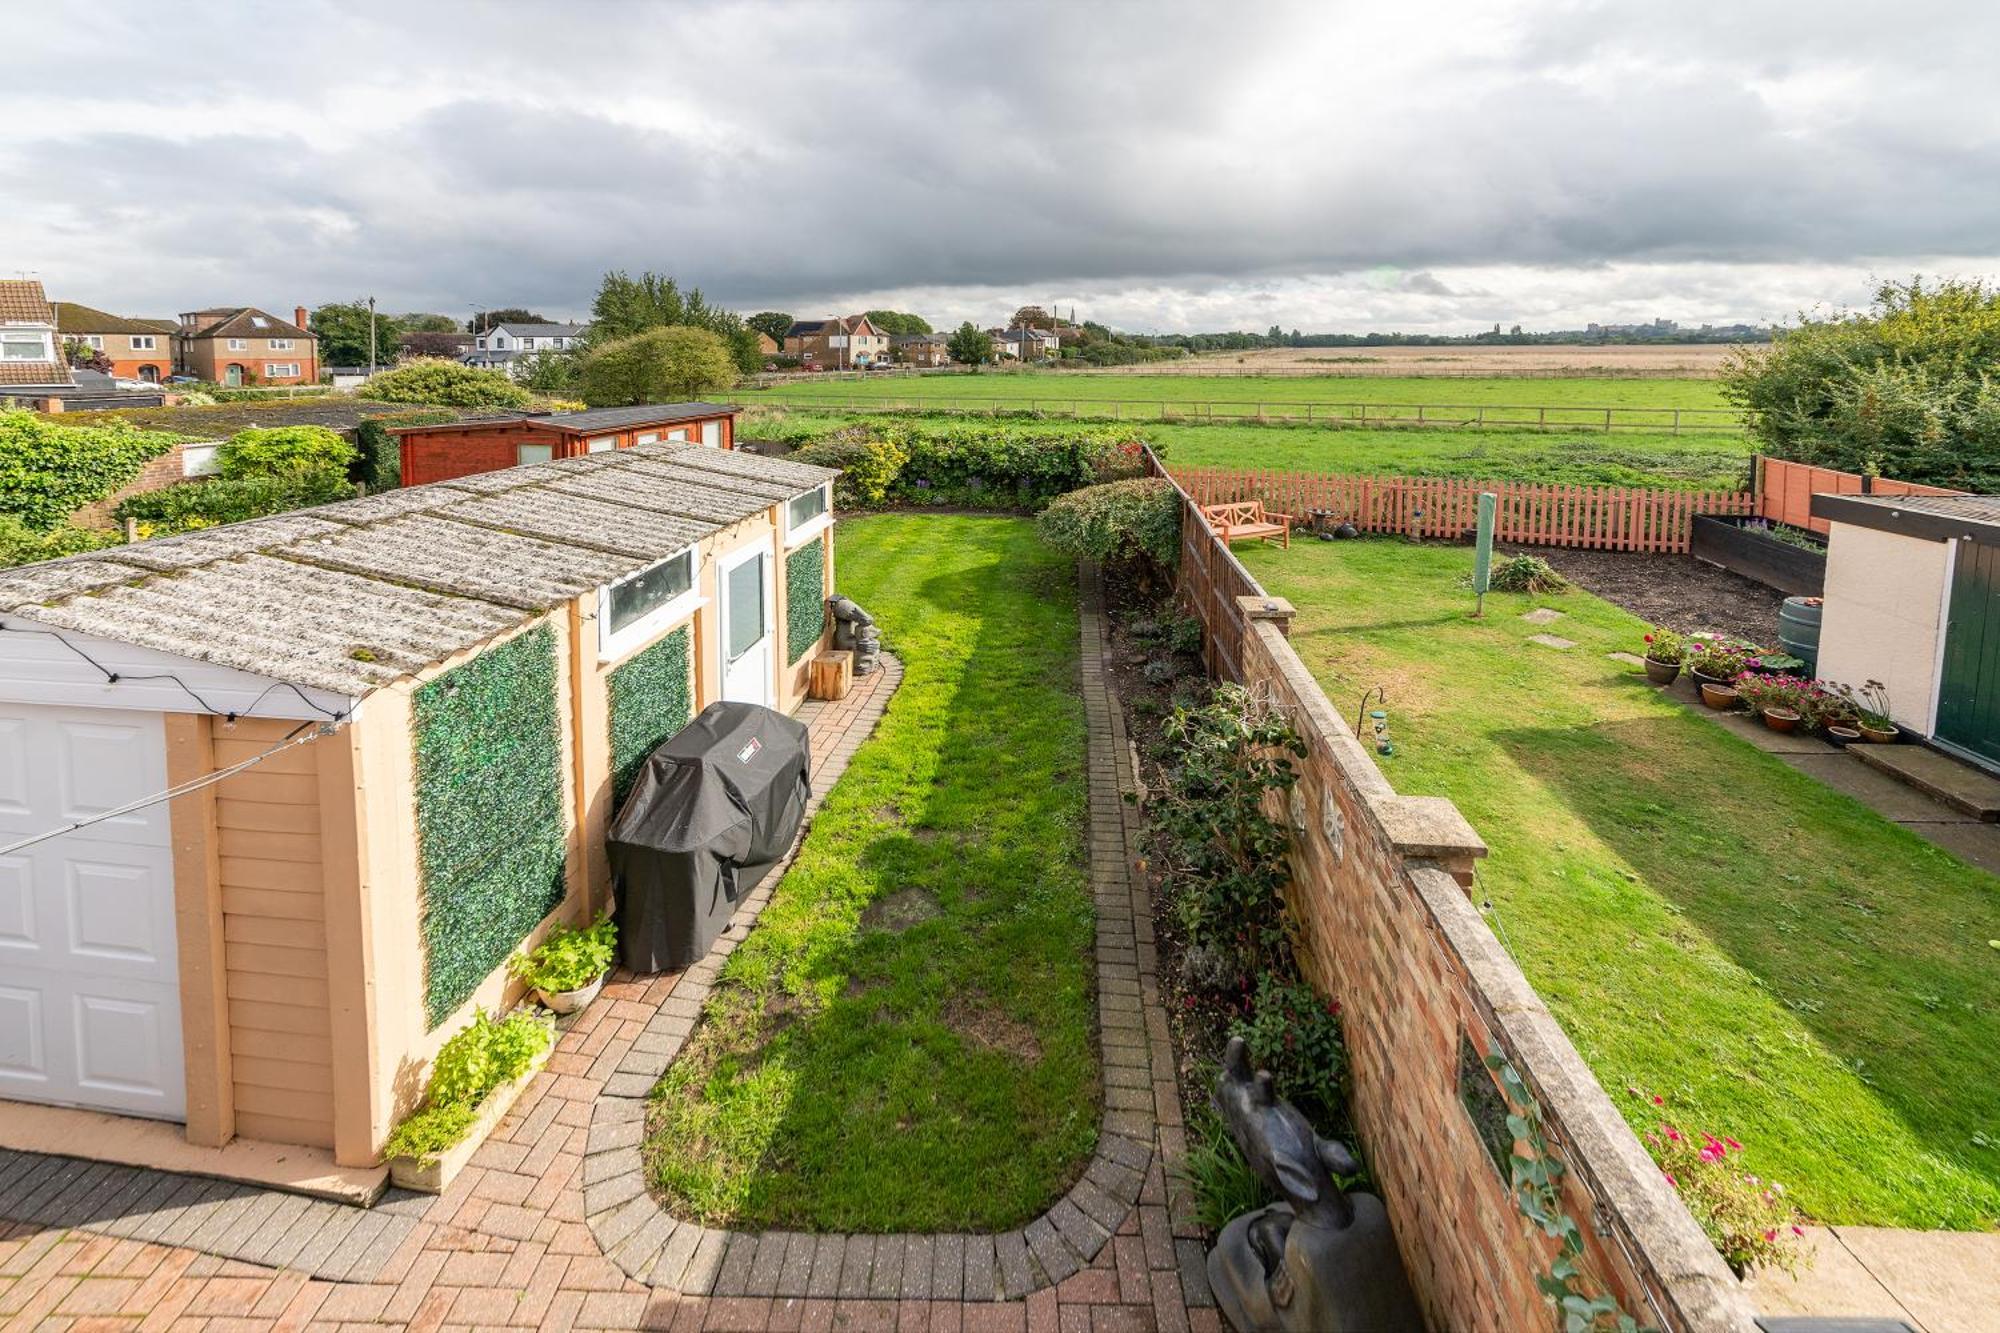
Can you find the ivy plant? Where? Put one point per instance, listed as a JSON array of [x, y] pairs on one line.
[[49, 471]]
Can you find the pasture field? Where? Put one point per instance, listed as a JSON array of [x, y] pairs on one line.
[[1614, 360]]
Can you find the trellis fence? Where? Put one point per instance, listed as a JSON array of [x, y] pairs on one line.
[[1600, 518]]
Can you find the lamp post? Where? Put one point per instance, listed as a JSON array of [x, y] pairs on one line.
[[371, 337]]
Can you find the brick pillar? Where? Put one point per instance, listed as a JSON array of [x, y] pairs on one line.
[[1274, 609]]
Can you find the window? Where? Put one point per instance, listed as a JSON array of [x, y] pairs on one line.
[[711, 434], [631, 609], [678, 433], [600, 444], [746, 607], [237, 344], [650, 437], [806, 516], [95, 340], [144, 342], [259, 322], [25, 345], [534, 453], [281, 344], [277, 370]]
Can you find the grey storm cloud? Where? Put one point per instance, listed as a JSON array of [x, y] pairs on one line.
[[1172, 160]]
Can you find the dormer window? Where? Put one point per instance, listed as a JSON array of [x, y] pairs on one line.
[[26, 345]]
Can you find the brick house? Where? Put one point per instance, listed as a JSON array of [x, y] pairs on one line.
[[31, 363], [841, 343], [235, 345], [138, 349], [1026, 344], [920, 349], [488, 444]]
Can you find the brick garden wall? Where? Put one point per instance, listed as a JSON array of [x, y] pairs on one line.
[[1391, 932], [169, 468]]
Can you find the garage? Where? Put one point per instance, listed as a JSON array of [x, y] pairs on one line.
[[89, 988]]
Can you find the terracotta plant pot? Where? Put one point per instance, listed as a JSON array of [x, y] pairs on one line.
[[569, 1001], [1842, 735], [1701, 679], [1662, 673], [1880, 735], [1718, 696], [1780, 719]]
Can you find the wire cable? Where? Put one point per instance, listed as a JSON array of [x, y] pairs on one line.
[[115, 677]]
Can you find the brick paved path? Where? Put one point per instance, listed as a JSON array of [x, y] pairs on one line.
[[525, 1238]]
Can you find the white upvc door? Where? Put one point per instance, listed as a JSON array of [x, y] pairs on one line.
[[711, 434], [745, 579], [90, 1010]]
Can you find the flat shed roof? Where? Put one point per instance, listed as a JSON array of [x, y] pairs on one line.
[[1935, 518], [588, 420]]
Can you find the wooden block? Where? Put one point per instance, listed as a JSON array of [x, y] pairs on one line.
[[832, 674]]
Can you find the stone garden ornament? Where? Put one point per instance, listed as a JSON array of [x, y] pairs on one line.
[[1324, 1260]]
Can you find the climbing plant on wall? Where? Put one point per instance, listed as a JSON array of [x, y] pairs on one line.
[[650, 701], [488, 755], [805, 599]]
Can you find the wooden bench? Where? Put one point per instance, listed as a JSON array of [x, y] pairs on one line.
[[1248, 520]]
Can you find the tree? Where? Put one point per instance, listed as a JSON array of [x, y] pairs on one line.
[[626, 305], [898, 325], [419, 322], [430, 342], [485, 319], [658, 366], [970, 344], [342, 330], [82, 356], [547, 371], [1031, 317], [772, 324]]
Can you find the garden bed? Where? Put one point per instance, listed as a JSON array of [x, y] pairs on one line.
[[1748, 547], [1672, 590]]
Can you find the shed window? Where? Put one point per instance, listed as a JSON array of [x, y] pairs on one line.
[[534, 453], [600, 444], [806, 516], [654, 597]]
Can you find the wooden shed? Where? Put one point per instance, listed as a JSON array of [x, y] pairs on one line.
[[278, 799], [487, 443]]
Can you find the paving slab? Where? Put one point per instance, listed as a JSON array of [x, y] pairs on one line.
[[1542, 615], [1556, 641], [1957, 784], [1629, 659], [1845, 771]]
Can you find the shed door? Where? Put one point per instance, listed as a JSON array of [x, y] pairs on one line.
[[1968, 716], [90, 1010]]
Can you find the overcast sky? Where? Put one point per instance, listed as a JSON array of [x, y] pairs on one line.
[[1326, 166]]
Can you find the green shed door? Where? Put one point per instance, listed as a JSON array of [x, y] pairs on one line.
[[1968, 715]]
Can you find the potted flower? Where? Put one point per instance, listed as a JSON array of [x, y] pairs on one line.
[[1665, 651], [567, 970], [1839, 716], [1873, 706], [1714, 660]]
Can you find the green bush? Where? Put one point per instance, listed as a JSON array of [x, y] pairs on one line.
[[378, 453], [283, 451], [204, 504], [444, 384], [992, 467], [23, 545], [431, 1131], [49, 471], [1116, 523], [868, 463], [1295, 1034], [662, 365], [569, 959], [483, 1054]]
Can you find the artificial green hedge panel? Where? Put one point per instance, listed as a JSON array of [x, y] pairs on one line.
[[805, 599], [651, 699], [489, 812]]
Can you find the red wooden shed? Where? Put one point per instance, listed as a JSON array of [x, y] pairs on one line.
[[487, 444]]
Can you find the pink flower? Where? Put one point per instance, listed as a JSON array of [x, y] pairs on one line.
[[1658, 1100], [1670, 1179], [1770, 1233], [1798, 1230]]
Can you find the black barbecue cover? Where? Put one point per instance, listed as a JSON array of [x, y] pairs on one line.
[[710, 812]]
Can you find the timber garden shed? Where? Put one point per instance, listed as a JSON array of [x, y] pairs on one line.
[[509, 439], [1913, 601], [397, 727]]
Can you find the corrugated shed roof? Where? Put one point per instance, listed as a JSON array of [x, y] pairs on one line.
[[348, 597], [759, 466]]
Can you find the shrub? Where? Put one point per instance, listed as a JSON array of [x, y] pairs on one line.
[[1117, 523], [283, 451], [203, 504], [444, 384], [1527, 573], [994, 467], [658, 366], [49, 471], [23, 545], [483, 1054], [1665, 645], [869, 466], [1295, 1033], [1719, 657], [569, 959], [378, 453], [1747, 1219]]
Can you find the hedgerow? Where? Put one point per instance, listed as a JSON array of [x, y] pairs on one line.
[[444, 384], [959, 463], [49, 471], [1116, 523], [204, 504], [283, 451]]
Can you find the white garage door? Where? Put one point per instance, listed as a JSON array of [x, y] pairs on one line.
[[90, 1010]]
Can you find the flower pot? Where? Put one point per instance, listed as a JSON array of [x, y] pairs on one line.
[[569, 1001], [1879, 735], [1843, 735], [1780, 719], [1701, 678], [1716, 695], [1662, 673]]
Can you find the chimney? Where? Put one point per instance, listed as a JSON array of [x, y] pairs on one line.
[[299, 316]]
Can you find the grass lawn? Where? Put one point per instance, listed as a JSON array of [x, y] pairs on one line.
[[904, 1042], [1776, 960], [1060, 386]]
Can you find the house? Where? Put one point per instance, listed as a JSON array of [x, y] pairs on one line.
[[236, 345], [473, 445], [31, 360], [766, 344], [1026, 344], [1910, 602], [920, 349], [396, 728], [503, 345], [842, 343], [138, 349]]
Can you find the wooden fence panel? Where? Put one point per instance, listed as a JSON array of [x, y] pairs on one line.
[[1785, 490]]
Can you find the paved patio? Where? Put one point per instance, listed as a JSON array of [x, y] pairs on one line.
[[516, 1241]]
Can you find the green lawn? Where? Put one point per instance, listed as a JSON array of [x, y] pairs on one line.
[[1780, 963], [904, 1042]]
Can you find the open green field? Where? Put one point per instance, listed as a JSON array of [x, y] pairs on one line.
[[1773, 958], [905, 1040]]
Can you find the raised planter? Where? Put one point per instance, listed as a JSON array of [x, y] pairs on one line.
[[1756, 555], [430, 1175]]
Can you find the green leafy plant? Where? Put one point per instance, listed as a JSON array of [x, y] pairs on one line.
[[1665, 645], [1526, 573], [1719, 657], [445, 384], [1222, 1185], [283, 452], [203, 504], [1747, 1218], [1870, 704], [1131, 525], [378, 459], [49, 471], [869, 465], [23, 545], [430, 1131], [1294, 1032], [483, 1054], [570, 958]]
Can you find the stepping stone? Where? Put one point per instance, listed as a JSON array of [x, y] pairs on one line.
[[1552, 641], [1629, 659], [1542, 615]]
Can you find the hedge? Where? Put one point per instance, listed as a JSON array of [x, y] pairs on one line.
[[972, 464], [1117, 522], [490, 833], [283, 451], [49, 471], [203, 504], [805, 599], [444, 383], [651, 699], [378, 461]]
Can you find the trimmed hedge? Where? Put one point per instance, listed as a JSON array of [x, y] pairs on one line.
[[283, 451], [445, 384], [1116, 522], [652, 697], [805, 599], [204, 504], [49, 471], [488, 756], [977, 465], [378, 461]]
